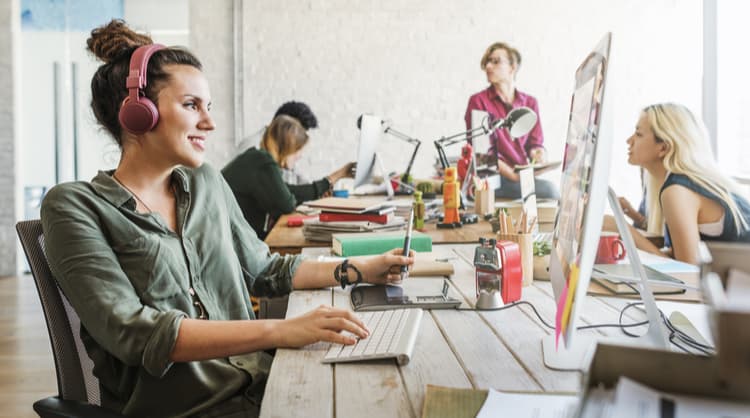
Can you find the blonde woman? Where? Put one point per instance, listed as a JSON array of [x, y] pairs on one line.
[[651, 221], [685, 186], [255, 176]]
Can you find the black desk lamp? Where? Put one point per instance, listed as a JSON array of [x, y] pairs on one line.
[[519, 122], [404, 185]]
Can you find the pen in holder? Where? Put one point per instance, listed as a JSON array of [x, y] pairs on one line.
[[526, 247]]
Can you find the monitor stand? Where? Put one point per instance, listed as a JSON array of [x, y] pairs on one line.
[[578, 356], [386, 178]]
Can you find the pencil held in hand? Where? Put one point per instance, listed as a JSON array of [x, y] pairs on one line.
[[407, 244]]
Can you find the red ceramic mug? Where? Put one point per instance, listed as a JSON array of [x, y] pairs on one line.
[[611, 249]]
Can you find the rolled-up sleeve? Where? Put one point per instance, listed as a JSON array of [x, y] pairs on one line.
[[265, 274], [90, 276]]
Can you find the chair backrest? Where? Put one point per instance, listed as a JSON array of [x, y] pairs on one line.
[[74, 368]]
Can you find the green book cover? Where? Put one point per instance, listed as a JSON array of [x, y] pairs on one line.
[[371, 243]]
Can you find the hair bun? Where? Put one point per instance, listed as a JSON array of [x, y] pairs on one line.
[[114, 40]]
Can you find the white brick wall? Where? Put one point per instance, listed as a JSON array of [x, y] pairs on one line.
[[417, 62], [7, 148]]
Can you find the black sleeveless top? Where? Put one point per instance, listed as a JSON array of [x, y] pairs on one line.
[[729, 233]]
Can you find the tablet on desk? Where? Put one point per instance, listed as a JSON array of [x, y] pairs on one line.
[[415, 293], [539, 168]]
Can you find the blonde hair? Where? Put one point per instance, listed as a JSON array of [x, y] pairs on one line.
[[688, 153], [283, 137]]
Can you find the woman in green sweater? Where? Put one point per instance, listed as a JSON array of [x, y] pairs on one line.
[[255, 176]]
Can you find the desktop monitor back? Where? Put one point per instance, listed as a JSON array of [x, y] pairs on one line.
[[584, 184], [370, 134]]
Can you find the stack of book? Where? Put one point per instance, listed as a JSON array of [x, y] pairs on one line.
[[350, 215], [433, 207]]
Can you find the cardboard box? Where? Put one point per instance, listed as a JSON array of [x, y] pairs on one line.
[[724, 376], [731, 328], [667, 371]]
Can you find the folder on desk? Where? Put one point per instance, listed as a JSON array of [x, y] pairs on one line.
[[444, 402], [346, 205], [540, 167]]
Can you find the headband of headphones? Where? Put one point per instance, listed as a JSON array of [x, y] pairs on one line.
[[138, 68], [138, 114]]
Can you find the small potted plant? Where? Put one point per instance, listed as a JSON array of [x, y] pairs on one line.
[[542, 250]]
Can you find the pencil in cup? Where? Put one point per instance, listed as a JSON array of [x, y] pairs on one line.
[[526, 247]]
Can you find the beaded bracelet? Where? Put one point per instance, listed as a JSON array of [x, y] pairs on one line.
[[341, 274]]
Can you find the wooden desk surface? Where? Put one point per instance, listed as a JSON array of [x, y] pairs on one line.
[[289, 240], [465, 349]]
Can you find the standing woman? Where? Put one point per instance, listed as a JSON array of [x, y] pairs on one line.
[[500, 63], [256, 175], [696, 200], [157, 260]]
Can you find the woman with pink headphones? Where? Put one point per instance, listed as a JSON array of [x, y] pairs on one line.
[[157, 259]]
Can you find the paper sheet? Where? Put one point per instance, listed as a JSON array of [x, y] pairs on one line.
[[738, 290], [520, 405], [634, 400]]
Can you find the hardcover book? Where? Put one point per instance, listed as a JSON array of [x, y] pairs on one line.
[[371, 243]]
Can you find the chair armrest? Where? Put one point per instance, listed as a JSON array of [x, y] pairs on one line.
[[54, 407]]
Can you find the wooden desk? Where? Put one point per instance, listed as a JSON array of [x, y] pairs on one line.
[[465, 349], [289, 240]]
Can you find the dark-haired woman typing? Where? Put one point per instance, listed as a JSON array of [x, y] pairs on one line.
[[157, 259]]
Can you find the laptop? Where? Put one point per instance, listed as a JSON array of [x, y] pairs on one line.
[[661, 283], [412, 293]]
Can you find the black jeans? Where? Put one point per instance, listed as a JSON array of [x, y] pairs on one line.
[[246, 404]]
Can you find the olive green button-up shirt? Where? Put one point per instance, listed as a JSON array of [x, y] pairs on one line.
[[129, 278]]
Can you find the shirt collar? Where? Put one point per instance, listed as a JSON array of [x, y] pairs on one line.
[[520, 97], [108, 188]]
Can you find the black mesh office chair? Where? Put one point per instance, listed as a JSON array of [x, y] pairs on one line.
[[78, 387]]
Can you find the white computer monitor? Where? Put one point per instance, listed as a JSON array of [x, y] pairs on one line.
[[370, 134], [583, 187], [584, 192]]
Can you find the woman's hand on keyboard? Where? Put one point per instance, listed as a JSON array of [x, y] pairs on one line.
[[384, 268], [325, 323]]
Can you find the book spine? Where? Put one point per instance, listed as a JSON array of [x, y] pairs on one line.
[[352, 217], [345, 247]]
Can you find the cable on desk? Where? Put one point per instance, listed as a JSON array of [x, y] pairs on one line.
[[510, 305], [676, 336]]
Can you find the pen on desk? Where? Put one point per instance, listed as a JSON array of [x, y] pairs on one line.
[[407, 244]]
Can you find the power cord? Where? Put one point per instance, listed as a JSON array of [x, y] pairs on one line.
[[676, 336], [513, 304]]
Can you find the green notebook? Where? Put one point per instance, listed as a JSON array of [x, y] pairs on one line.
[[371, 243]]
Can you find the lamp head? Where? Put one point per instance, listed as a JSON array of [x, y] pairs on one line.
[[519, 122]]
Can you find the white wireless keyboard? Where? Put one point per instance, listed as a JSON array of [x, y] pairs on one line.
[[392, 335]]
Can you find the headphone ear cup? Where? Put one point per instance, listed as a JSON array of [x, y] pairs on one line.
[[139, 116]]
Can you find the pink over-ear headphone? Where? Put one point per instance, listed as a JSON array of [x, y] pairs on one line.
[[138, 114]]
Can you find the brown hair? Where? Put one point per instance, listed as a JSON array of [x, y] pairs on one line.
[[283, 137], [513, 54], [113, 44]]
